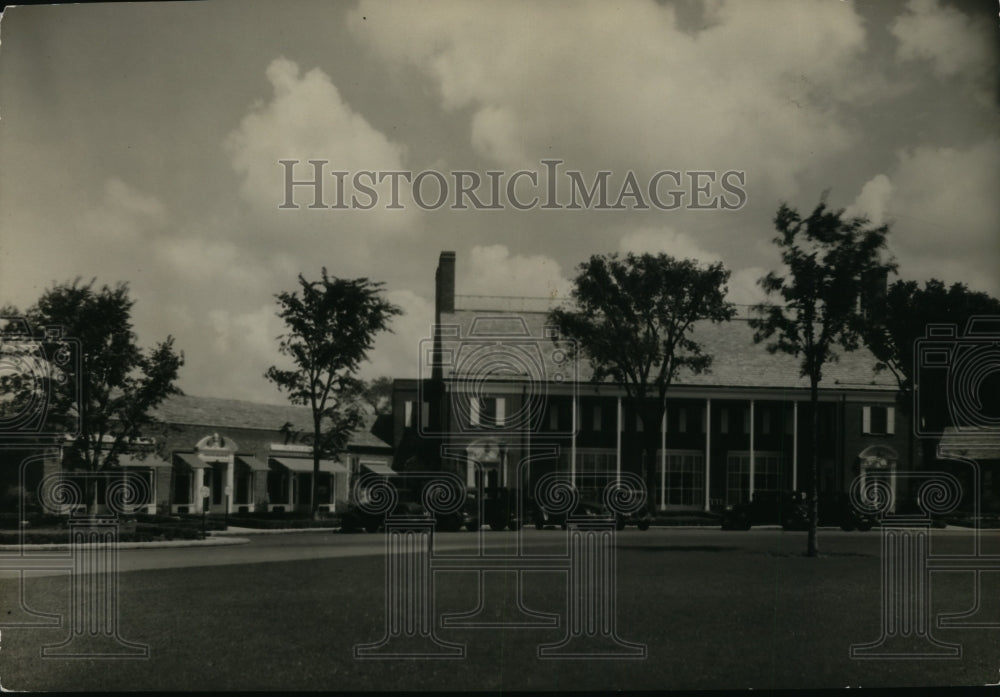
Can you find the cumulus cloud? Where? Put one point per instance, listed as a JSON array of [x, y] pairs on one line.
[[667, 240], [307, 119], [493, 270], [953, 43], [541, 80], [398, 353], [872, 200], [124, 213], [942, 203]]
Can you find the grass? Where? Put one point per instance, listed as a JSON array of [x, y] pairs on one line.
[[717, 614]]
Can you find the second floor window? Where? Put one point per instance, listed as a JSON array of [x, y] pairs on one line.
[[878, 420]]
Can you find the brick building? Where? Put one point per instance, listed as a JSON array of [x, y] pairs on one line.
[[497, 398], [233, 451]]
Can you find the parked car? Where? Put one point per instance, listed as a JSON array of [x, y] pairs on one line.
[[834, 508], [543, 518], [466, 517], [356, 518], [790, 510], [640, 519], [766, 508]]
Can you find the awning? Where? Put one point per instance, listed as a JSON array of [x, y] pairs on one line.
[[190, 459], [378, 468], [302, 464], [979, 444], [252, 462], [147, 461]]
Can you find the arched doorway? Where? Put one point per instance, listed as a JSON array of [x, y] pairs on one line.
[[879, 461], [491, 456]]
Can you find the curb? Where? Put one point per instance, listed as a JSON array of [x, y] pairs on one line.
[[60, 547], [265, 531]]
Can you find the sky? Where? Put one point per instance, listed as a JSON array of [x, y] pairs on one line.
[[141, 143]]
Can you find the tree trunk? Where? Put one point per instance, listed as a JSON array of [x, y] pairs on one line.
[[812, 547], [92, 495], [313, 502]]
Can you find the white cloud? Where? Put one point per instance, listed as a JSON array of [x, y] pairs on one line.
[[955, 45], [307, 119], [493, 270], [124, 214], [655, 240], [872, 200], [541, 80], [941, 202], [397, 354]]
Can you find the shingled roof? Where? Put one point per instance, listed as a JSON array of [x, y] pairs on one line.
[[737, 360], [238, 413]]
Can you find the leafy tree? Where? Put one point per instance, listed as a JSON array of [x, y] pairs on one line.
[[119, 383], [901, 317], [828, 262], [377, 394], [633, 319], [331, 327]]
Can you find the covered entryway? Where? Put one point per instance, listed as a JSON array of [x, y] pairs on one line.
[[880, 461]]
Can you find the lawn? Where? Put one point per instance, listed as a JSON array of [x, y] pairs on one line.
[[715, 614]]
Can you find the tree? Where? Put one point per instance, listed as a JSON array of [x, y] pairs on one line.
[[828, 261], [119, 383], [377, 394], [902, 317], [331, 327], [633, 319]]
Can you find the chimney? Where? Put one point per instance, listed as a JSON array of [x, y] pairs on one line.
[[444, 288]]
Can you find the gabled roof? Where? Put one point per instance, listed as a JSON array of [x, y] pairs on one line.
[[238, 413], [481, 340]]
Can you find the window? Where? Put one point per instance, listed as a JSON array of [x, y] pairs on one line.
[[724, 420], [408, 414], [746, 421], [878, 420], [487, 411], [765, 422], [682, 422], [685, 478], [767, 474]]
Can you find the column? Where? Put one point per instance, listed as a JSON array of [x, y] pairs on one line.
[[197, 482], [708, 452], [618, 450], [572, 443], [230, 470], [663, 459], [795, 445], [752, 429]]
